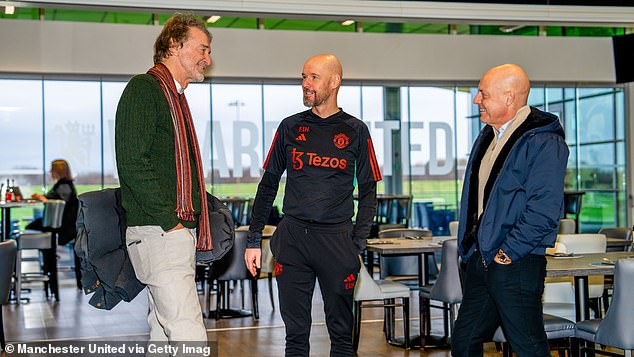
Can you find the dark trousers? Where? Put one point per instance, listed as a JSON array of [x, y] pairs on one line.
[[510, 295], [305, 252]]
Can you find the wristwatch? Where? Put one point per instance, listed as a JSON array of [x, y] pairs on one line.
[[503, 258]]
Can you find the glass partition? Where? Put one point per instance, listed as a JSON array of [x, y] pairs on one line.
[[422, 137]]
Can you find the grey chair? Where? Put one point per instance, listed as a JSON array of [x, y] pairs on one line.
[[387, 291], [615, 330], [46, 243], [453, 228], [8, 253], [624, 233], [404, 267], [232, 268], [557, 328], [567, 226], [447, 289]]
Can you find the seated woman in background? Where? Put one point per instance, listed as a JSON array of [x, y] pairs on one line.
[[64, 189]]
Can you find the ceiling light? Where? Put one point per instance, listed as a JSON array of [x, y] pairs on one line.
[[347, 23], [9, 10], [213, 19]]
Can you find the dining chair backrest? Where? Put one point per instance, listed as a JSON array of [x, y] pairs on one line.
[[453, 228], [231, 266], [619, 232], [567, 226], [624, 233], [367, 288], [53, 213], [268, 261], [8, 250], [581, 243], [616, 328], [448, 286]]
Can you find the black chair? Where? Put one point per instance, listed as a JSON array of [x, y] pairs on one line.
[[393, 209], [572, 205], [240, 209], [8, 253], [232, 268]]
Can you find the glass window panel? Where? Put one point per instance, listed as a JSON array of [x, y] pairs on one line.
[[73, 129], [596, 166], [372, 113], [570, 121], [433, 144], [200, 106], [621, 211], [536, 97], [585, 92], [597, 210], [280, 101], [621, 179], [554, 95], [111, 92], [596, 118], [571, 170], [620, 115], [236, 138], [21, 127], [570, 93], [405, 139], [349, 100], [620, 153]]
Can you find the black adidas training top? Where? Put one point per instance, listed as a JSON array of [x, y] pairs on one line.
[[322, 157]]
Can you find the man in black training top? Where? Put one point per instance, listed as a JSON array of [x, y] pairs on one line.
[[325, 152]]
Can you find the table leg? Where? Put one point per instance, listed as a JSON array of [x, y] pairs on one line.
[[582, 308], [6, 223], [370, 257]]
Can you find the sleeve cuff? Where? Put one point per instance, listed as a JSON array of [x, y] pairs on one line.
[[254, 240]]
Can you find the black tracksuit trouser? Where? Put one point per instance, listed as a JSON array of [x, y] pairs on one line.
[[305, 251]]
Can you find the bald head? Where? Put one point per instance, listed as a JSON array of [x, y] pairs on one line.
[[512, 78], [321, 79], [327, 62], [502, 91]]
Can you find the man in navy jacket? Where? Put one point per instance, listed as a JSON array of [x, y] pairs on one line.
[[512, 200]]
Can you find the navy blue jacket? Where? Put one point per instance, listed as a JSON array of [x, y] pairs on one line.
[[523, 198]]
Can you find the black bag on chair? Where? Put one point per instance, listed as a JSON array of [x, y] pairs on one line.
[[222, 231]]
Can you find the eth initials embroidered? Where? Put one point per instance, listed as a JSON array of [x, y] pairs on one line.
[[350, 281]]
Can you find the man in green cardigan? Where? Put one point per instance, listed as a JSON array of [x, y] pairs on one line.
[[162, 181]]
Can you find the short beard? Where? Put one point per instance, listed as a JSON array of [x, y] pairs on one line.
[[319, 100]]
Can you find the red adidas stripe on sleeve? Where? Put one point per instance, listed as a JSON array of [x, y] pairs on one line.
[[268, 156], [376, 172]]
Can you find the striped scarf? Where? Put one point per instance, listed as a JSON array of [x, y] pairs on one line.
[[183, 125]]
